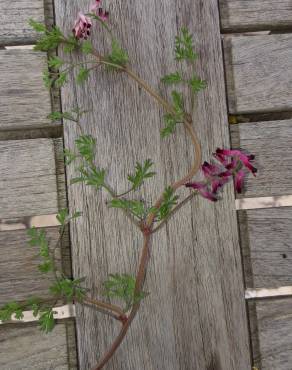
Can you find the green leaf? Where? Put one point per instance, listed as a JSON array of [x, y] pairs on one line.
[[68, 288], [55, 62], [184, 49], [178, 102], [34, 303], [61, 80], [48, 80], [118, 55], [86, 147], [172, 78], [38, 27], [57, 116], [46, 320], [38, 238], [122, 287], [45, 267], [69, 156], [142, 173], [71, 44], [95, 177], [82, 75], [169, 201], [136, 207], [197, 84], [77, 180], [11, 308], [64, 218], [86, 47], [169, 129], [50, 40]]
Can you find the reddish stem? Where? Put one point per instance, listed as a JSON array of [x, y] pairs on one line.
[[139, 283]]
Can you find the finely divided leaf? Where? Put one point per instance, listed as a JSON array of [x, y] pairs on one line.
[[172, 78], [184, 49], [82, 75], [46, 320], [142, 173], [86, 147], [169, 201], [197, 84], [122, 286]]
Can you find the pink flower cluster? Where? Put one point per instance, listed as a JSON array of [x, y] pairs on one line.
[[83, 23], [232, 164]]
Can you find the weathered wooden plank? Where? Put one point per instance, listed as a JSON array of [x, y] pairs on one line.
[[25, 102], [271, 142], [28, 178], [255, 14], [267, 246], [272, 334], [195, 276], [14, 16], [20, 277], [258, 73], [25, 347]]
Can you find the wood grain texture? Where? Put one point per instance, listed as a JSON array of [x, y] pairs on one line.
[[255, 14], [25, 347], [28, 178], [258, 73], [20, 278], [272, 338], [14, 16], [25, 102], [267, 246], [195, 277], [271, 142]]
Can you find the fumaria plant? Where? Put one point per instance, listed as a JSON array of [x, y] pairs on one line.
[[123, 288]]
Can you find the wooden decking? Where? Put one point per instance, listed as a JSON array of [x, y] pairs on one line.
[[196, 315]]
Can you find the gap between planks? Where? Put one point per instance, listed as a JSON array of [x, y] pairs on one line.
[[51, 221], [60, 313], [68, 311]]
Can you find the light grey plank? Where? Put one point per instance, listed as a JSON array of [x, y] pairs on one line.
[[259, 73], [25, 347], [272, 334], [255, 14], [24, 101], [14, 16], [20, 278], [195, 276], [267, 246], [271, 142], [28, 178]]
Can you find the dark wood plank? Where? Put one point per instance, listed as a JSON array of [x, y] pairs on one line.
[[25, 102], [28, 178], [25, 347], [195, 276], [271, 142], [258, 73], [272, 331], [14, 16], [267, 246], [255, 14]]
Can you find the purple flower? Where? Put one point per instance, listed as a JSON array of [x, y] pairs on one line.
[[203, 190], [232, 164], [82, 26], [98, 11], [235, 157]]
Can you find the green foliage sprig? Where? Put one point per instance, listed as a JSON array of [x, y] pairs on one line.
[[123, 288]]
